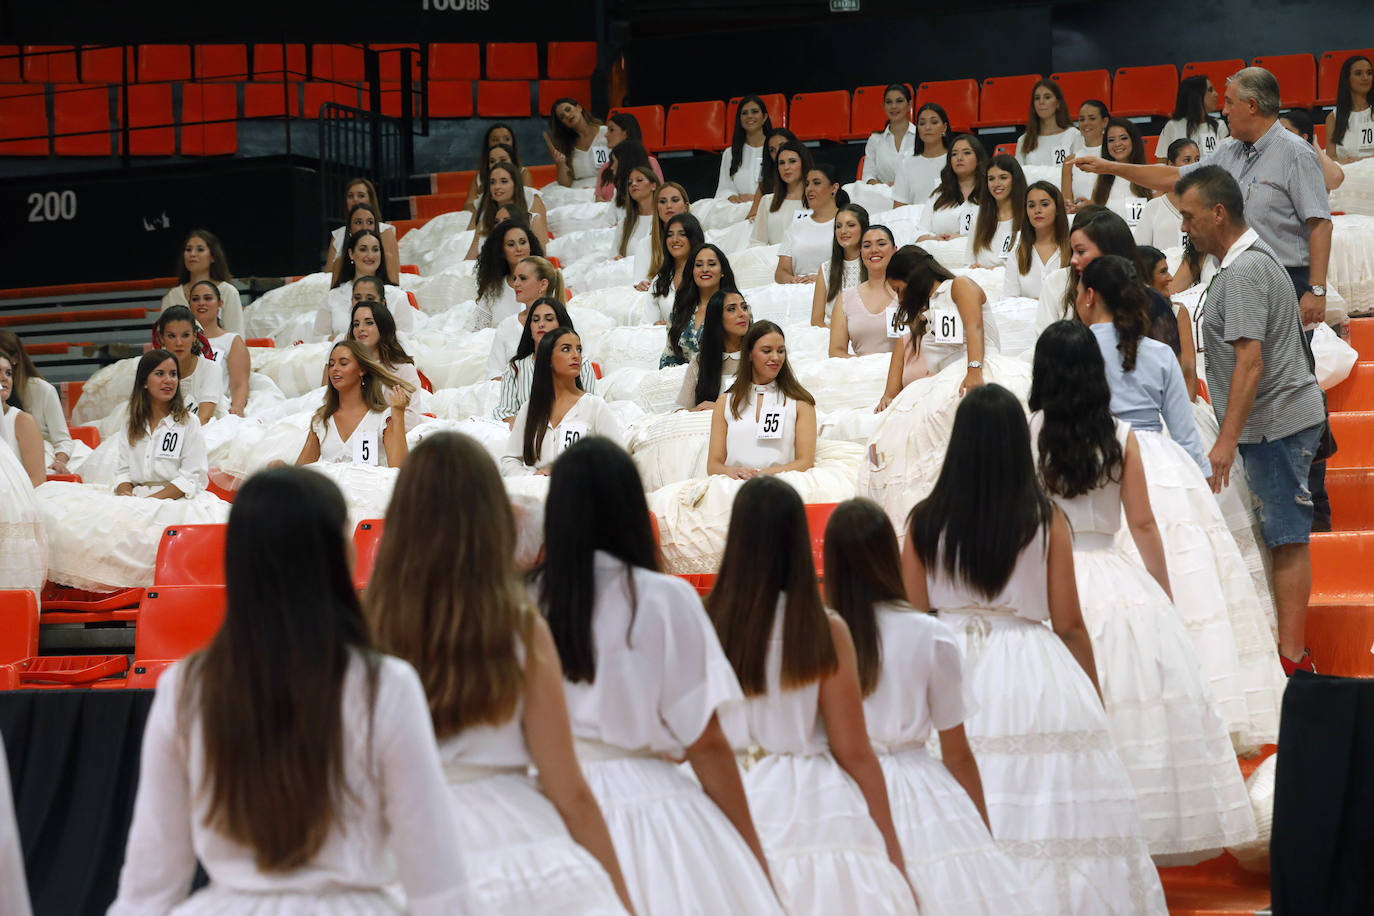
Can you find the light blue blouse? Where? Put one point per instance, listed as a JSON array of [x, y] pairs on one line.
[[1154, 387]]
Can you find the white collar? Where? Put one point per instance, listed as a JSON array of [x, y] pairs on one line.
[[910, 130], [1247, 238]]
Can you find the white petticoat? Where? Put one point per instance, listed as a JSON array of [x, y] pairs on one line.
[[1057, 793], [102, 542], [677, 850], [1163, 718], [824, 851], [220, 901], [951, 859], [23, 544], [519, 855]]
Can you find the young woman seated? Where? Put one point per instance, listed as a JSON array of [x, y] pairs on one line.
[[202, 383], [546, 314], [810, 237], [363, 417], [162, 453], [845, 268], [225, 348], [710, 273], [33, 394], [509, 244], [534, 278], [682, 235], [716, 364], [505, 192], [365, 257], [864, 318], [498, 145], [767, 422], [203, 258], [18, 429], [362, 191]]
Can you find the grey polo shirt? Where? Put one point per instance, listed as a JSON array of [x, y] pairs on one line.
[[1280, 177], [1252, 297]]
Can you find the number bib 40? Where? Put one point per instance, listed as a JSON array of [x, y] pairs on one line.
[[169, 442], [946, 327]]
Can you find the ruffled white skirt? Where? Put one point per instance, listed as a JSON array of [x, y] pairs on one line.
[[23, 544], [220, 901], [677, 850], [519, 855], [1163, 718], [1058, 795], [824, 850], [951, 859], [100, 541]]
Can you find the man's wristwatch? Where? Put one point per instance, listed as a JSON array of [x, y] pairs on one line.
[[1318, 291], [974, 364]]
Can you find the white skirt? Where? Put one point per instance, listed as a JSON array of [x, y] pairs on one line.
[[219, 901], [23, 545], [677, 850], [519, 855], [1213, 593], [102, 542], [1163, 719], [824, 850], [951, 859], [1058, 795]]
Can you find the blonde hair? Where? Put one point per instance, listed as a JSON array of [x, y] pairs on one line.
[[372, 394], [545, 270]]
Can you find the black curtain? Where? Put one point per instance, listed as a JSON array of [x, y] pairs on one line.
[[73, 759]]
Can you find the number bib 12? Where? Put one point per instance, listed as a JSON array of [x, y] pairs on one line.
[[170, 442], [569, 434], [365, 448], [946, 327]]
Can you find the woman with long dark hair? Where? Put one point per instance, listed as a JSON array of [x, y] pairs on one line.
[[623, 128], [864, 317], [803, 709], [202, 383], [808, 239], [989, 552], [845, 268], [918, 175], [1042, 245], [1001, 213], [203, 258], [911, 679], [1123, 144], [670, 199], [741, 165], [558, 413], [1194, 117], [1350, 127], [546, 314], [505, 199], [498, 136], [637, 216], [577, 141], [509, 244], [363, 417], [1163, 718], [778, 207], [953, 205], [682, 236], [1214, 593], [645, 679], [18, 429], [23, 543], [445, 596], [778, 137], [36, 396], [715, 366], [1077, 184], [767, 424], [888, 148], [710, 273], [226, 349], [358, 191], [363, 256], [292, 760], [375, 329], [1050, 137]]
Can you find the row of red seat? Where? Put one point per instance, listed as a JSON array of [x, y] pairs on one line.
[[343, 62], [1001, 101]]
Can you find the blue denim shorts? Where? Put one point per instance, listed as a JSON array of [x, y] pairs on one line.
[[1276, 470]]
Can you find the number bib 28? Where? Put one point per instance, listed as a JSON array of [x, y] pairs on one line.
[[946, 326], [169, 442], [365, 448]]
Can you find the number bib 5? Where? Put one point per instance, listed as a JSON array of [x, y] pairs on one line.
[[365, 450]]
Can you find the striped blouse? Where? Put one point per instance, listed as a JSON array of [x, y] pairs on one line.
[[515, 385]]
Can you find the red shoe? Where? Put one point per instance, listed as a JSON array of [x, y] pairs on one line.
[[1302, 664]]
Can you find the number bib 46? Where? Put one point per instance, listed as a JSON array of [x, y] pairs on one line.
[[169, 442], [890, 317], [365, 448], [946, 327]]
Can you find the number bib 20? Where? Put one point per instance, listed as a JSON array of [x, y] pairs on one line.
[[600, 156], [169, 442], [946, 327], [365, 448]]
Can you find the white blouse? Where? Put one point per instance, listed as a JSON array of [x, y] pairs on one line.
[[230, 312], [42, 402], [883, 158], [1161, 225], [660, 671], [998, 248], [1359, 136], [956, 220], [808, 243], [920, 688], [729, 368], [504, 344], [770, 227], [1028, 284], [589, 416], [586, 164], [365, 445], [917, 178], [219, 353], [1207, 137], [761, 437], [333, 318], [170, 453], [495, 308], [204, 386], [1051, 150], [850, 277], [781, 720], [746, 177], [1083, 182], [395, 825]]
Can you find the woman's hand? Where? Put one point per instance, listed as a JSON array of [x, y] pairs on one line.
[[740, 198], [742, 473], [884, 404], [804, 278], [397, 398], [543, 472], [59, 466], [236, 411], [972, 380], [642, 286]]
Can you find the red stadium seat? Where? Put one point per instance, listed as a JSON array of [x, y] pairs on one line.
[[959, 99], [279, 62], [1328, 72], [1297, 76], [650, 119], [190, 555], [221, 62], [87, 434], [84, 112], [572, 60], [512, 60], [150, 120], [503, 99], [1151, 145], [551, 91], [389, 60], [695, 126], [820, 115], [1144, 91], [271, 100], [1215, 70], [11, 70], [164, 63], [20, 663], [450, 98], [203, 104], [1319, 133], [866, 114], [367, 537], [341, 63], [50, 64], [101, 64], [1005, 100], [775, 102], [317, 95], [455, 61], [174, 622], [1080, 85], [1004, 149], [23, 113]]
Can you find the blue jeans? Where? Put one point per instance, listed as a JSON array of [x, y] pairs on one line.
[[1316, 477], [1277, 471]]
